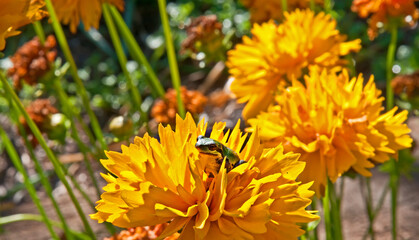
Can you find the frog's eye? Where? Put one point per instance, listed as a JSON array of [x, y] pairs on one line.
[[212, 147]]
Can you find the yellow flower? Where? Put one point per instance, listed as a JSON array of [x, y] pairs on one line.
[[73, 12], [154, 183], [382, 10], [17, 13], [336, 124], [264, 10], [261, 63]]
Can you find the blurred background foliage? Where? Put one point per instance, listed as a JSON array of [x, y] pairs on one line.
[[104, 80], [100, 70]]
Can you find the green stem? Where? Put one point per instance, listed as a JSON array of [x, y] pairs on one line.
[[64, 99], [394, 174], [369, 204], [314, 235], [389, 65], [136, 52], [33, 217], [312, 5], [69, 112], [284, 5], [73, 69], [44, 180], [327, 214], [57, 165], [67, 108], [174, 70], [327, 6], [39, 31], [394, 186], [123, 62], [335, 210], [381, 200], [14, 157]]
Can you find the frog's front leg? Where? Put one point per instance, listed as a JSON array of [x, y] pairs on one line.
[[239, 163]]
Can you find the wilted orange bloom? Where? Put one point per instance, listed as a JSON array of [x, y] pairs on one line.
[[336, 124], [32, 61], [40, 111], [382, 10], [73, 12], [164, 111], [205, 35], [264, 10], [261, 64], [408, 83], [17, 13], [154, 182], [143, 233]]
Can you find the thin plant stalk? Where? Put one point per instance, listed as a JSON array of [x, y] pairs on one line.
[[136, 52], [174, 70], [37, 26], [335, 211], [366, 186], [41, 35], [44, 180], [73, 70], [327, 214], [284, 5], [33, 217], [123, 62], [331, 211], [57, 165], [327, 6], [31, 189], [314, 233], [312, 5], [38, 168], [389, 65], [394, 174], [64, 99], [69, 112]]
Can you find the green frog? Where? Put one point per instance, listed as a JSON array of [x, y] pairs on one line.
[[213, 153]]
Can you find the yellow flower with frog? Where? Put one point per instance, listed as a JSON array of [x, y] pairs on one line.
[[172, 181], [89, 12], [17, 13], [336, 124], [276, 53]]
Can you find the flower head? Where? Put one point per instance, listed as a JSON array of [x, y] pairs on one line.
[[164, 111], [205, 35], [154, 183], [89, 12], [408, 83], [32, 61], [382, 10], [264, 10], [40, 111], [17, 13], [336, 124], [262, 62]]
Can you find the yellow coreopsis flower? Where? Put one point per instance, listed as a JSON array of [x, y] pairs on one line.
[[73, 12], [264, 10], [275, 52], [17, 13], [155, 182], [336, 124]]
